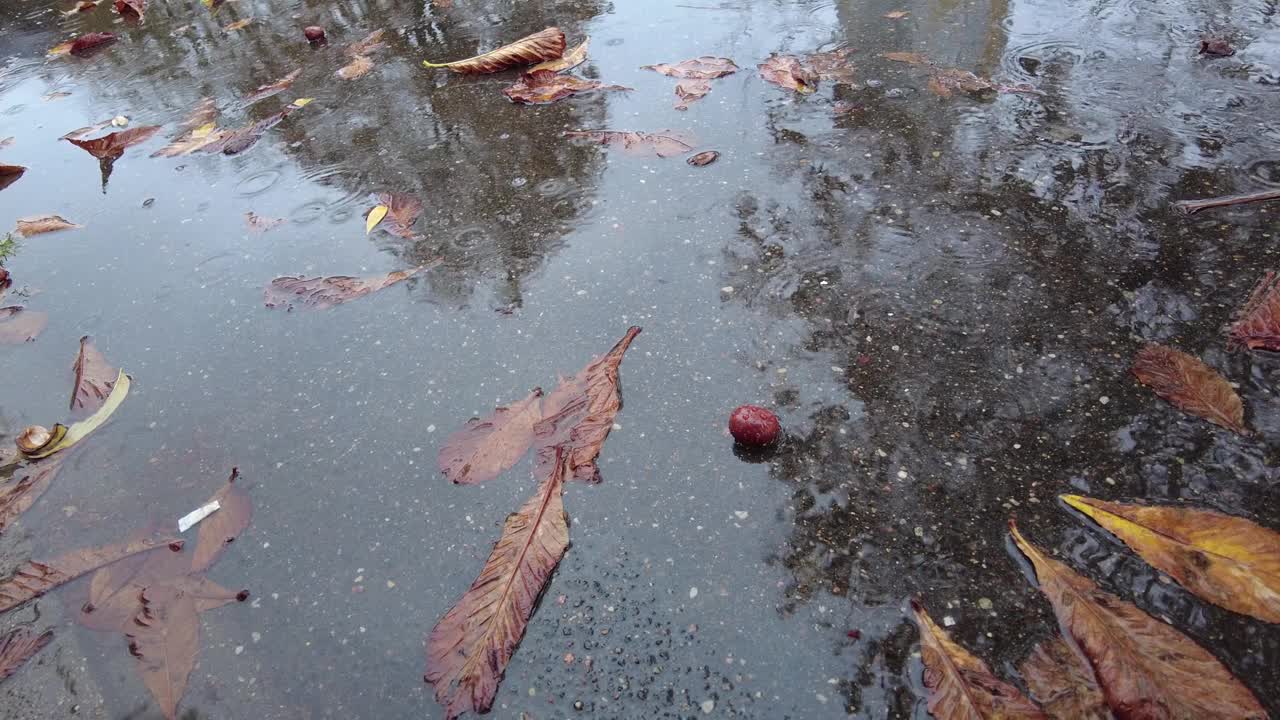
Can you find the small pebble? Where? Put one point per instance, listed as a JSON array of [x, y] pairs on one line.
[[693, 592], [708, 706]]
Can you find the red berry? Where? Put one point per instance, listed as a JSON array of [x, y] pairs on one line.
[[315, 35], [753, 425]]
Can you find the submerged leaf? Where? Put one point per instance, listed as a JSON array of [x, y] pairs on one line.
[[224, 526], [81, 430], [1190, 385], [94, 379], [1229, 561], [1063, 683], [543, 45], [787, 71], [325, 292], [664, 143], [33, 579], [164, 639], [40, 224], [131, 9], [961, 687], [82, 6], [568, 61], [113, 145], [833, 66], [371, 43], [17, 496], [911, 58], [260, 224], [19, 325], [539, 87], [84, 45], [1146, 668], [238, 25], [689, 91], [1257, 327], [9, 174], [485, 448], [699, 68], [267, 91], [359, 66], [403, 210], [19, 646]]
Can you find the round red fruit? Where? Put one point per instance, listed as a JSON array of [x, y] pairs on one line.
[[315, 35], [754, 425]]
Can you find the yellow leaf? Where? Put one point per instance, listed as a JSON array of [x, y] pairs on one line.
[[1228, 561], [80, 430], [204, 130], [302, 102], [375, 216]]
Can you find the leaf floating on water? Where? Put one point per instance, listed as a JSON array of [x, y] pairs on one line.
[[486, 447], [325, 292], [1190, 385], [261, 93], [664, 143], [33, 579], [131, 9], [220, 530], [1063, 683], [1257, 327], [370, 44], [375, 216], [209, 138], [260, 224], [1228, 561], [359, 66], [541, 46], [402, 212], [18, 647], [961, 687], [85, 45], [787, 71], [699, 68], [81, 7], [238, 25], [113, 145], [706, 157], [19, 325], [568, 61], [689, 91], [540, 87], [1146, 668], [81, 430], [40, 224], [94, 379], [18, 496], [833, 66], [9, 174]]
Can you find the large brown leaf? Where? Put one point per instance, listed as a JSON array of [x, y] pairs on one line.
[[789, 72], [664, 143], [1146, 668], [1257, 327], [961, 687], [468, 650], [325, 292], [165, 638], [113, 145], [540, 87], [223, 526], [547, 44], [485, 448], [17, 496], [1190, 385], [1226, 560], [18, 647], [33, 579], [699, 68], [9, 174], [40, 224], [1063, 683], [19, 325]]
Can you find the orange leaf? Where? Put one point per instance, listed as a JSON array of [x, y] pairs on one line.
[[1190, 385], [568, 61], [690, 91], [484, 448], [261, 93], [1257, 327], [544, 45], [41, 224], [113, 145], [359, 66], [1063, 683]]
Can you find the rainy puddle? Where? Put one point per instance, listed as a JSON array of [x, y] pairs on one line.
[[948, 244]]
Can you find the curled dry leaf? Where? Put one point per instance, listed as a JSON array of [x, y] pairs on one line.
[[19, 325], [1229, 561], [260, 224], [359, 66], [1257, 327], [1145, 667], [1062, 683], [325, 292], [9, 174], [568, 61], [545, 86], [699, 68], [83, 46], [486, 447], [961, 687], [1190, 385], [33, 579], [94, 379], [39, 224], [663, 143], [64, 437], [19, 646], [265, 91], [113, 145], [224, 526], [787, 71], [18, 496], [131, 9], [541, 46], [706, 157], [690, 91]]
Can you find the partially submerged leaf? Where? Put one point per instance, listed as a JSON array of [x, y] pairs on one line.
[[689, 91], [370, 44], [9, 174], [545, 86], [19, 325], [192, 141], [94, 379], [1146, 668], [706, 157], [260, 224], [403, 210], [1257, 327], [961, 687], [238, 25], [359, 66], [895, 14], [33, 579], [787, 71], [664, 143], [325, 292], [209, 138], [19, 646], [224, 526], [911, 58], [1229, 561], [83, 46], [113, 145], [833, 66], [131, 9], [17, 496], [1190, 385], [568, 61], [699, 68], [486, 447], [81, 430], [165, 639], [40, 224], [375, 216], [541, 46], [1062, 683], [265, 91], [946, 81]]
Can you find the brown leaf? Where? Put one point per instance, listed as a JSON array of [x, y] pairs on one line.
[[18, 647], [228, 142], [1063, 683], [82, 6], [238, 25], [85, 45], [203, 114], [115, 591], [690, 91], [961, 687], [568, 61], [19, 325], [706, 157], [261, 93], [543, 45], [33, 579], [403, 210], [946, 81], [485, 448], [55, 95], [1257, 327], [325, 292], [787, 71], [664, 143], [9, 174], [911, 58], [165, 638], [1229, 561], [113, 145], [540, 87], [94, 378], [224, 526], [370, 44], [260, 224], [359, 66], [1146, 668], [1190, 385], [131, 9], [88, 130], [17, 496], [896, 14], [699, 68], [833, 66], [39, 224]]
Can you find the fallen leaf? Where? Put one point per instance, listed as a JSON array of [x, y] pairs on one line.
[[1216, 47], [664, 143], [403, 210], [486, 447], [833, 66], [1190, 385], [209, 138], [18, 496], [113, 145], [375, 216], [896, 14], [224, 526], [568, 61], [911, 58], [94, 379], [33, 579], [203, 114], [262, 92], [370, 44], [359, 66], [787, 71], [706, 157], [699, 68], [19, 325], [82, 6], [19, 646], [961, 687], [689, 91], [165, 639], [260, 224], [946, 81], [85, 45], [56, 95], [9, 174], [80, 430], [40, 224], [1257, 326], [545, 86], [87, 130], [238, 25], [1228, 561], [192, 141], [1145, 667], [131, 9], [1063, 683], [324, 292], [541, 46]]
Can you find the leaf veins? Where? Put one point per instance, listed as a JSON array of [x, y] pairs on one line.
[[1190, 385]]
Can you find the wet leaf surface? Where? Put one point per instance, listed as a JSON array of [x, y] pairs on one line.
[[82, 429], [486, 447], [911, 58], [238, 25], [359, 66], [690, 91], [266, 91], [541, 46], [1062, 683], [94, 379], [19, 646], [9, 174], [403, 210], [1229, 561], [1190, 385], [224, 526], [324, 292], [18, 495], [663, 143], [131, 9], [568, 61], [113, 145], [19, 325], [33, 579], [259, 224], [704, 158], [40, 224], [787, 71], [545, 86], [84, 46], [371, 43], [1257, 326], [833, 66], [699, 68]]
